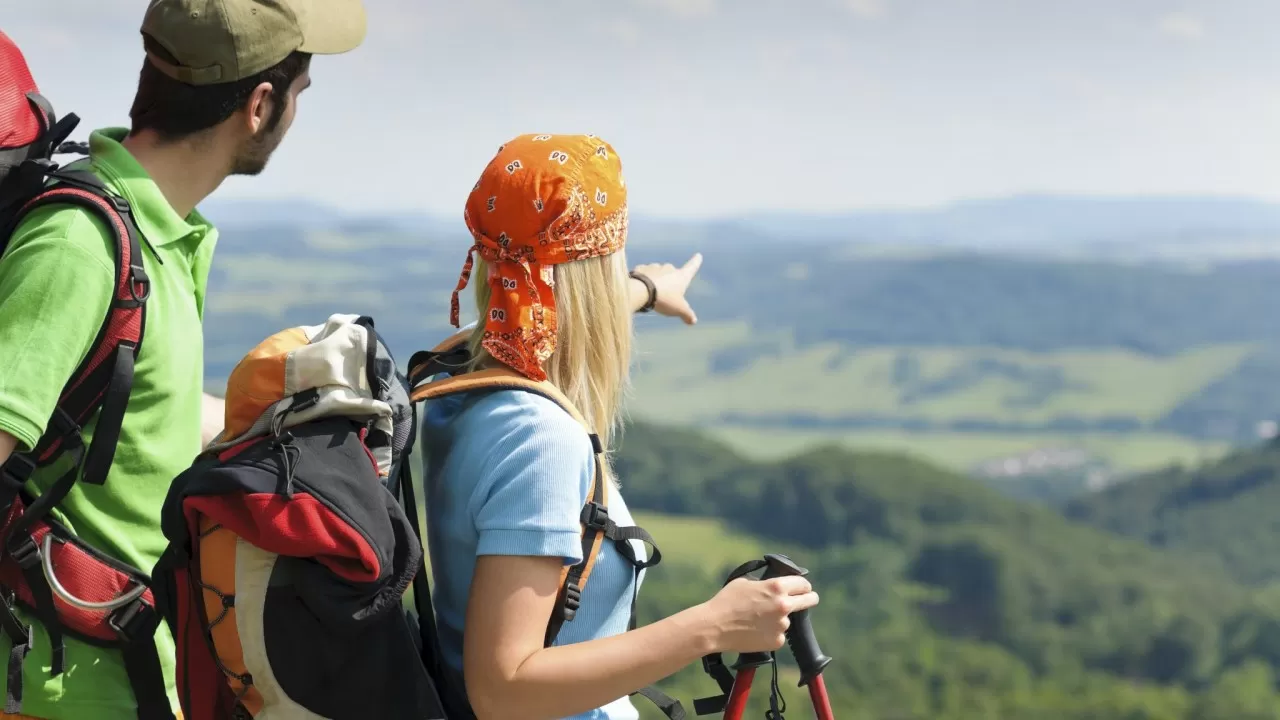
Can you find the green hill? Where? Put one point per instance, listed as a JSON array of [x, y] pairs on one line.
[[943, 598], [1226, 510]]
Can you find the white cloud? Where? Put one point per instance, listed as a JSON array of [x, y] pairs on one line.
[[865, 8], [1182, 25]]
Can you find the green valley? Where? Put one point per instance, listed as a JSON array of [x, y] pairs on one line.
[[944, 599]]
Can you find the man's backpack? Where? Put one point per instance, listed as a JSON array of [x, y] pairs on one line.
[[296, 535], [71, 587]]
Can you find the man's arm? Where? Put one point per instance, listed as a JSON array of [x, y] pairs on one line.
[[7, 444], [212, 418]]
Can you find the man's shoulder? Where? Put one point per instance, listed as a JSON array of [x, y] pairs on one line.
[[68, 231]]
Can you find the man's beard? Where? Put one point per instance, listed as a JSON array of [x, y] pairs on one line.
[[252, 159]]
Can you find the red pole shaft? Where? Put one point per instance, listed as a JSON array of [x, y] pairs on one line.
[[818, 694], [737, 704]]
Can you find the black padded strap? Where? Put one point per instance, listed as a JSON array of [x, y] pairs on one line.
[[371, 356], [38, 509], [421, 584], [668, 705], [115, 401], [20, 644], [425, 363], [26, 553], [142, 665], [13, 675]]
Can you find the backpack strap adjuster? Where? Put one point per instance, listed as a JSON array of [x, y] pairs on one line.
[[595, 516], [572, 600], [24, 551], [137, 619], [15, 472]]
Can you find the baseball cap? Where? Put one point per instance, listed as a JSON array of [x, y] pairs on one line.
[[220, 41]]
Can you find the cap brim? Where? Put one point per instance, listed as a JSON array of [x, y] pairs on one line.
[[330, 27]]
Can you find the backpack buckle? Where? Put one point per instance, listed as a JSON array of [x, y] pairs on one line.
[[15, 471], [137, 619], [595, 516], [120, 204], [24, 551]]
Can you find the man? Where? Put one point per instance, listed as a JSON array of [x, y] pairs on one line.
[[216, 95]]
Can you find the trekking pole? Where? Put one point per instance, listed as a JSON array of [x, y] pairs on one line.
[[804, 648]]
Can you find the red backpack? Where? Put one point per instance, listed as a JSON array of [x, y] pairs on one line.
[[73, 589]]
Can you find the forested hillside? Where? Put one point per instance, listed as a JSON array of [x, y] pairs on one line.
[[1228, 510], [945, 599]]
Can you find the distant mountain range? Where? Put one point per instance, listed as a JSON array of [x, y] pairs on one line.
[[1135, 226]]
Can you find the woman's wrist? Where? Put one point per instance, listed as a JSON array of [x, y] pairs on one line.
[[639, 293], [645, 297], [702, 627]]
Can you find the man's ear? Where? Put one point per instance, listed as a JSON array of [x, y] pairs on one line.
[[258, 108]]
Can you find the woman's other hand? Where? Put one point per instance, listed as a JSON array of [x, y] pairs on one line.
[[671, 283], [752, 615]]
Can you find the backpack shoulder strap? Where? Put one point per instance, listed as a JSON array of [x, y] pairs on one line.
[[104, 378], [449, 356], [595, 511]]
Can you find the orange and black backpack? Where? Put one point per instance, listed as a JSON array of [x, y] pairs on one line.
[[295, 538], [71, 587]]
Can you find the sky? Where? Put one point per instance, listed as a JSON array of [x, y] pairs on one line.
[[725, 107]]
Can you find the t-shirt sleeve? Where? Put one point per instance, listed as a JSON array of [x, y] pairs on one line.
[[535, 481], [54, 291]]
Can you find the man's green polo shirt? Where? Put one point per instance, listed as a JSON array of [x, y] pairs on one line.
[[56, 280]]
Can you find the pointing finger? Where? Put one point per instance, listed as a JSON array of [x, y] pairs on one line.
[[691, 267]]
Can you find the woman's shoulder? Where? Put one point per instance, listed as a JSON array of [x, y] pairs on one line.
[[521, 412], [502, 422]]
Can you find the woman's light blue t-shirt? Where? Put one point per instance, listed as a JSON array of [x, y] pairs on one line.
[[507, 473]]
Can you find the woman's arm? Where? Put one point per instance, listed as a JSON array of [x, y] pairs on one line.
[[535, 468], [510, 675], [671, 283]]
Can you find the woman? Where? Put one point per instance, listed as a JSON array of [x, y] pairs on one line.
[[508, 470]]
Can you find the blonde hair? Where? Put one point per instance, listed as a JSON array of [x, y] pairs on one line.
[[591, 364]]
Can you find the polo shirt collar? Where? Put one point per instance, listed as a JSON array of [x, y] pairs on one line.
[[155, 216]]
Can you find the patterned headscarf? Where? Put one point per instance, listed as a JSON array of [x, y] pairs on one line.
[[542, 200]]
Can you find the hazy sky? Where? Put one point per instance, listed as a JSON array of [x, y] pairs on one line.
[[724, 106]]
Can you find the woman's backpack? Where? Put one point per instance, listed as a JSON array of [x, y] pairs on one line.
[[295, 536]]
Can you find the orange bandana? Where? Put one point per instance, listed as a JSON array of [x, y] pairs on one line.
[[543, 200]]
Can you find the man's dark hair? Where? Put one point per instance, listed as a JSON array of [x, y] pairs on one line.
[[175, 110]]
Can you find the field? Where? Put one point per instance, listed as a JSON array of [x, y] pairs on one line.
[[769, 398]]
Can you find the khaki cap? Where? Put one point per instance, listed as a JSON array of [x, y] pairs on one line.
[[220, 41]]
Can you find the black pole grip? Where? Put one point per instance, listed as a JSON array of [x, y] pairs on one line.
[[804, 647], [800, 637]]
